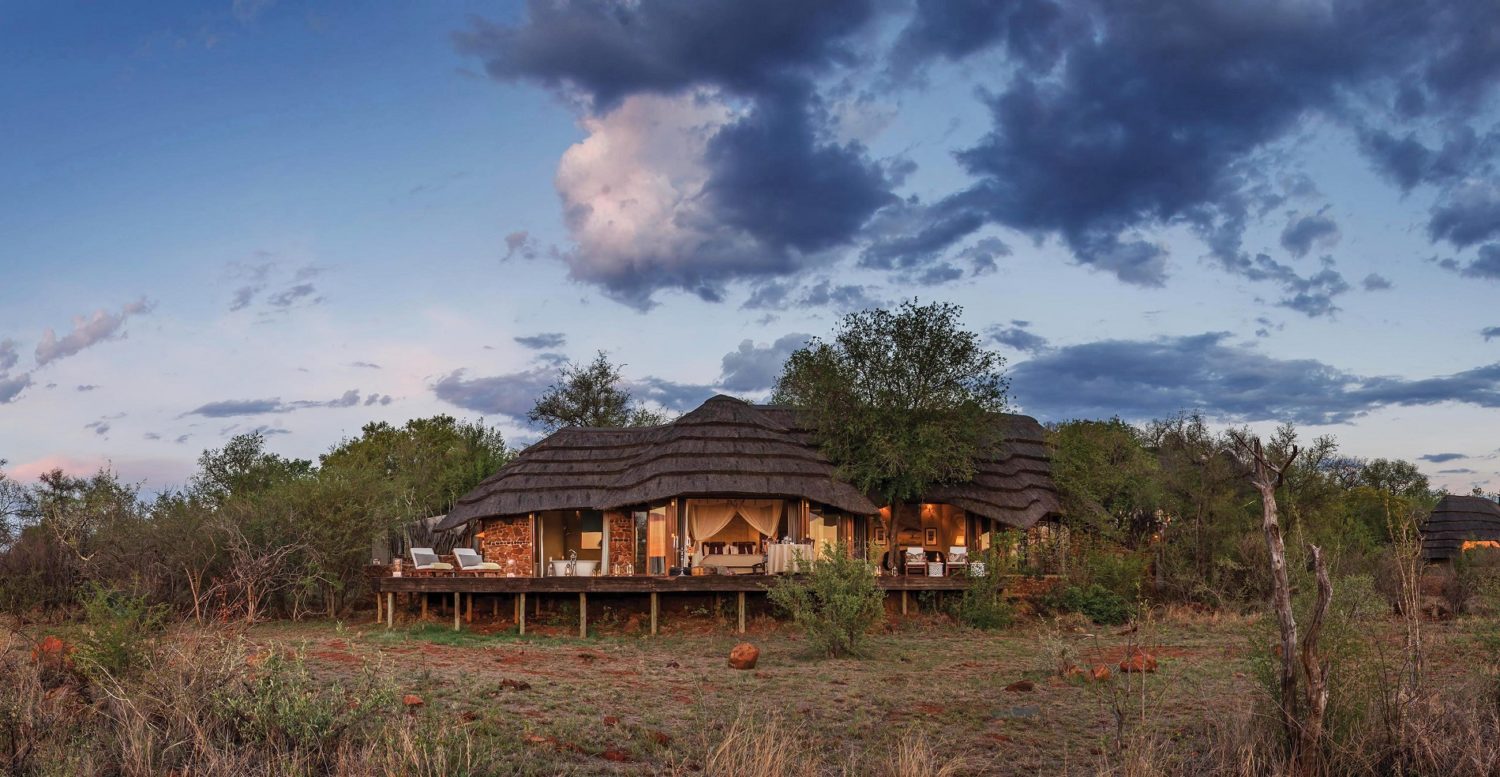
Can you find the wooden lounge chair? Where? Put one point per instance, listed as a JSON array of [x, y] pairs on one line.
[[958, 560], [425, 560], [914, 562], [469, 560]]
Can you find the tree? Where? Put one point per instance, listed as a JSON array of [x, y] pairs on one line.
[[900, 400], [590, 395], [1107, 478], [1267, 472]]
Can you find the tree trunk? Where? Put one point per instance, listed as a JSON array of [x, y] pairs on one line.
[[1310, 749], [892, 555], [1281, 599]]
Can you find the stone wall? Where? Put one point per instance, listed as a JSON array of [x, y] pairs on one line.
[[621, 529], [508, 539]]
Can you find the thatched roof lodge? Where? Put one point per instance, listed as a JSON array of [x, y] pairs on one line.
[[714, 485], [1458, 520]]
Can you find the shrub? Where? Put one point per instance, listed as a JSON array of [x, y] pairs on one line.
[[835, 603], [1117, 571], [1100, 604], [281, 705], [983, 605], [118, 628]]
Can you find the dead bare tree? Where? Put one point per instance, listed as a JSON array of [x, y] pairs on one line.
[[255, 572], [1305, 732]]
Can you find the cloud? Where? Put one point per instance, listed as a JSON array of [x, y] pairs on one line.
[[1486, 265], [1441, 458], [542, 341], [100, 428], [243, 296], [1033, 32], [511, 395], [1489, 333], [12, 386], [10, 354], [1376, 282], [1457, 471], [1302, 232], [520, 244], [1467, 215], [711, 157], [752, 367], [151, 436], [365, 365], [378, 399], [1311, 295], [678, 397], [87, 331], [230, 408], [290, 296], [1141, 379], [86, 387], [1018, 337]]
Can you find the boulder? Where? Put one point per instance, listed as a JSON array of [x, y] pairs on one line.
[[1138, 661], [744, 656], [1021, 686], [412, 700], [1101, 673]]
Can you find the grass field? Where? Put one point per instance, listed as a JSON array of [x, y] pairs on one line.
[[642, 705]]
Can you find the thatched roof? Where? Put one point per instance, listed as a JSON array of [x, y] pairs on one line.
[[728, 447], [1455, 520]]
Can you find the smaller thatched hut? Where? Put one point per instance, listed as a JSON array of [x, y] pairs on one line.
[[1458, 520]]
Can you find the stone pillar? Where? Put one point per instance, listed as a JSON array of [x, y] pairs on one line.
[[509, 539]]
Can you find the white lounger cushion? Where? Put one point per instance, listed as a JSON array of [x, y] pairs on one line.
[[468, 558], [424, 558]]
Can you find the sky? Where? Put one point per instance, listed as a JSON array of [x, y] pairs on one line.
[[301, 217]]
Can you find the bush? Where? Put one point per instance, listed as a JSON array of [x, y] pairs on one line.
[[835, 603], [1100, 604], [983, 604], [118, 628], [1117, 571], [281, 705]]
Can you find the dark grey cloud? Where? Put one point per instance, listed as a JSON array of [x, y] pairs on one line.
[[1457, 471], [1489, 333], [752, 367], [290, 296], [1312, 295], [87, 331], [151, 436], [520, 244], [511, 395], [777, 187], [608, 51], [100, 428], [1302, 232], [1016, 335], [181, 438], [1116, 126], [378, 399], [542, 341], [1441, 458], [1467, 215], [11, 386], [841, 297], [1140, 379], [84, 388], [1486, 265], [1376, 282], [674, 396], [230, 408], [10, 354], [243, 296], [365, 365]]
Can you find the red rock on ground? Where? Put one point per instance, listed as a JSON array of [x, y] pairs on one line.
[[412, 700], [1138, 661], [1101, 673], [610, 720], [1021, 686], [618, 756], [744, 656]]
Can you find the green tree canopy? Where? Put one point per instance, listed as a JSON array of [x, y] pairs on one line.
[[590, 395], [900, 400]]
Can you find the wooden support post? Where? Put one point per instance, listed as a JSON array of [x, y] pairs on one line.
[[495, 608], [469, 610], [521, 614], [457, 609], [583, 615], [903, 601], [390, 609], [742, 611], [424, 605], [379, 616], [653, 613]]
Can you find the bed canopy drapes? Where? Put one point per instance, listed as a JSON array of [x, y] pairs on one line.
[[708, 517]]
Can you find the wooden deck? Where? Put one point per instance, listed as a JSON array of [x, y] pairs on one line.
[[462, 587], [639, 584]]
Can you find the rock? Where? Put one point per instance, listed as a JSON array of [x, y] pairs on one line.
[[1021, 686], [610, 720], [618, 756], [1101, 673], [411, 700], [1075, 673], [515, 685], [1138, 661], [744, 656], [673, 665]]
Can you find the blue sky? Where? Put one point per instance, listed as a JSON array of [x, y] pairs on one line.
[[301, 216]]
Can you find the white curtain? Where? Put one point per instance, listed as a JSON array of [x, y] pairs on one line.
[[709, 516]]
